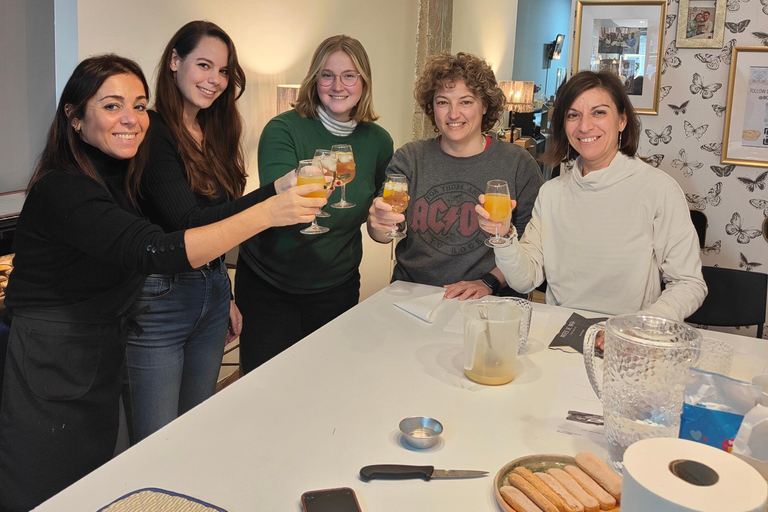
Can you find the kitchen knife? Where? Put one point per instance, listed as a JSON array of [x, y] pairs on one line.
[[402, 472]]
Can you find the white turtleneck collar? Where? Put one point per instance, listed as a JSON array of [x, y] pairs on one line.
[[336, 127], [620, 168]]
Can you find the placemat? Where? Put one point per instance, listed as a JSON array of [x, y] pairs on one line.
[[158, 500]]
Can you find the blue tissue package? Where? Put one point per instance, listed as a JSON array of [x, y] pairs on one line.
[[707, 426]]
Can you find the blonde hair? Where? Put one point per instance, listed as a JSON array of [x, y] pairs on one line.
[[308, 99]]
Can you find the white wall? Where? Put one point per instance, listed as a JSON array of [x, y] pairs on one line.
[[487, 30]]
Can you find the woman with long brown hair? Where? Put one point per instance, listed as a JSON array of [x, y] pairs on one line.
[[195, 175], [82, 253]]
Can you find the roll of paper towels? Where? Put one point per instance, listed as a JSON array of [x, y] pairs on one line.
[[677, 475]]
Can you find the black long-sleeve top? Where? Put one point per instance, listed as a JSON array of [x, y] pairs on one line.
[[166, 198], [76, 240]]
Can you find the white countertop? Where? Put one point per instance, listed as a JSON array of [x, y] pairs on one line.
[[314, 415]]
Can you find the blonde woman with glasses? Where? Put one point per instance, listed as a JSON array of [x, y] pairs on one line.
[[289, 284]]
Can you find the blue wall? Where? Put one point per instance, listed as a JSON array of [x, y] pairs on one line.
[[538, 23]]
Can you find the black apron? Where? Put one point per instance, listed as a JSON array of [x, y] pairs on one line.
[[60, 405]]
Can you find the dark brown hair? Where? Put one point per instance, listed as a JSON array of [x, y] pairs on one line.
[[308, 99], [560, 150], [221, 159], [444, 68], [64, 148]]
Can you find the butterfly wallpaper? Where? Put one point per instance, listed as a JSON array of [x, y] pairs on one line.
[[685, 140]]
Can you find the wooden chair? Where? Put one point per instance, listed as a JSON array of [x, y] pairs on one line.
[[699, 220], [231, 370], [735, 298]]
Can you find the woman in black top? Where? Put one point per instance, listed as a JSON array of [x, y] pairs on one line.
[[195, 175], [82, 251]]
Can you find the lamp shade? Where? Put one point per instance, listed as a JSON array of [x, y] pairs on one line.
[[286, 95], [519, 95]]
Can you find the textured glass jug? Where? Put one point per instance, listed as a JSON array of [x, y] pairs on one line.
[[642, 378]]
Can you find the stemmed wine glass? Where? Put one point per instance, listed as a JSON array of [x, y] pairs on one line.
[[396, 195], [345, 172], [328, 162], [310, 172], [497, 204]]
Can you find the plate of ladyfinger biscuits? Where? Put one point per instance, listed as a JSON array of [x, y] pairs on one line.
[[558, 483]]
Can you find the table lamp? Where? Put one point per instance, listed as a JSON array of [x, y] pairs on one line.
[[286, 95], [519, 95], [520, 104]]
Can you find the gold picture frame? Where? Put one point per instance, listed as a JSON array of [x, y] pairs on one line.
[[706, 33], [624, 37], [745, 134]]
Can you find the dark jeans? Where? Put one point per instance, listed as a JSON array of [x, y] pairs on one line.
[[273, 320], [173, 365]]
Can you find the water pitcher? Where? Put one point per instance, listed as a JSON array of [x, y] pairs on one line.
[[641, 379]]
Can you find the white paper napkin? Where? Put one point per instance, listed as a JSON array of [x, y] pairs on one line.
[[423, 308]]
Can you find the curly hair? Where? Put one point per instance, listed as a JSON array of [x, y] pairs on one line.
[[443, 69]]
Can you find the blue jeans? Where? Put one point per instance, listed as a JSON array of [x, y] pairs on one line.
[[173, 366]]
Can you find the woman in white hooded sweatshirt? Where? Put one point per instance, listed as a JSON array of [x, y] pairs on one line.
[[606, 235]]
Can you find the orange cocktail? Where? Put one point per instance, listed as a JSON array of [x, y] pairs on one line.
[[498, 206], [396, 195], [306, 180], [345, 168]]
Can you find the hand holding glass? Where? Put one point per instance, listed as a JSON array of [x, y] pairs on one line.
[[326, 159], [345, 172], [309, 173], [396, 195], [497, 203]]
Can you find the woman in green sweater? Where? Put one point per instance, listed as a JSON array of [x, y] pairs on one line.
[[289, 284]]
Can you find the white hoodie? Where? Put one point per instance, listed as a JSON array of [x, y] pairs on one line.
[[605, 241]]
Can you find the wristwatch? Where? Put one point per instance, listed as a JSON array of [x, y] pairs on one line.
[[492, 282]]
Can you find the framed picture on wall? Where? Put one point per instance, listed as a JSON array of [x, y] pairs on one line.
[[701, 23], [745, 137], [624, 38]]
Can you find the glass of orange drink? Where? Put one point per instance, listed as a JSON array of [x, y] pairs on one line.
[[311, 171], [498, 205], [345, 172], [396, 195], [328, 162]]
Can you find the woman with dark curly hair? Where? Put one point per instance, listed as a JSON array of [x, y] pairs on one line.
[[444, 245], [607, 234]]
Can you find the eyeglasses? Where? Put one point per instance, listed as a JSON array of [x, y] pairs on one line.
[[348, 78]]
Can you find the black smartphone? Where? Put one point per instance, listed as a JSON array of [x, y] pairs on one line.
[[342, 499]]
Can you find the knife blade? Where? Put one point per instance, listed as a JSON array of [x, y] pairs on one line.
[[402, 472]]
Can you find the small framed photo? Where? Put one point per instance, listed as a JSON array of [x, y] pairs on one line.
[[745, 137], [701, 23], [624, 38]]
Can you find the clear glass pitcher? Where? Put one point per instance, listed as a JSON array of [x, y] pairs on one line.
[[642, 378], [491, 337]]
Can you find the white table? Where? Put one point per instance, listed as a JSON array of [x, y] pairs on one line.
[[313, 416]]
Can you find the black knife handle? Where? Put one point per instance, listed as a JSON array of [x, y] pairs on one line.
[[396, 472]]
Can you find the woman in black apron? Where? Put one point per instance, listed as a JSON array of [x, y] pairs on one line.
[[82, 254]]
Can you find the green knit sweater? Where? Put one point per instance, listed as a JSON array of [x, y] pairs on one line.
[[298, 263]]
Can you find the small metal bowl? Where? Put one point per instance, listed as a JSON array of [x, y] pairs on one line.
[[421, 432]]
